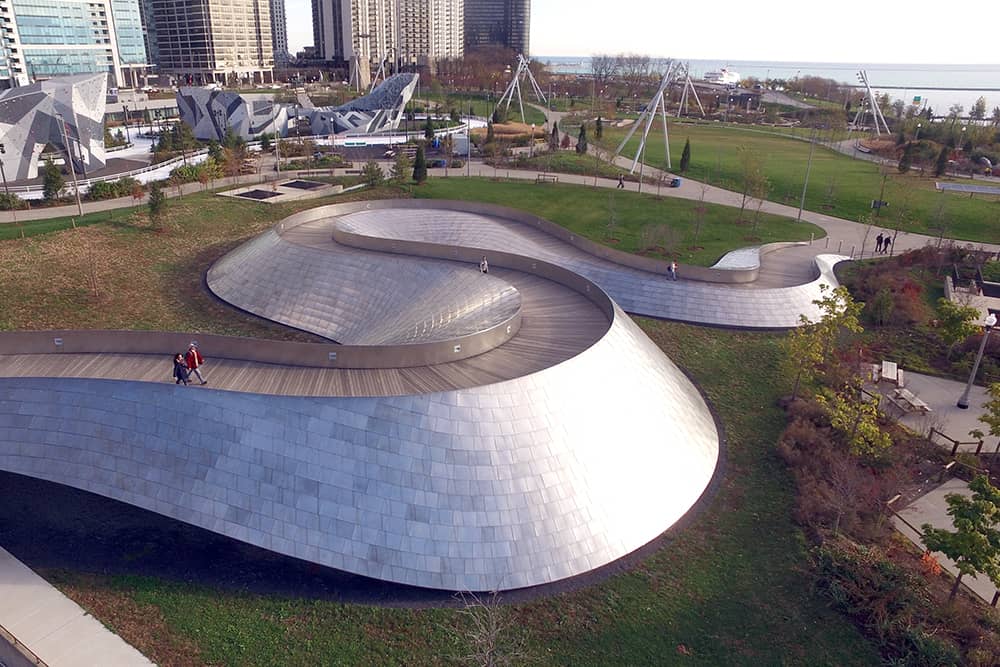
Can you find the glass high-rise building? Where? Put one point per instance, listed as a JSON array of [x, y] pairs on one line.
[[504, 23], [61, 37]]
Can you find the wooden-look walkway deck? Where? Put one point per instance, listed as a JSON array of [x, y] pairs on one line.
[[557, 324]]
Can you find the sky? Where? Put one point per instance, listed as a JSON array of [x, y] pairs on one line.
[[890, 31]]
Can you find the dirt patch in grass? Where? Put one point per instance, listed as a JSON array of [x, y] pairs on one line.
[[141, 625]]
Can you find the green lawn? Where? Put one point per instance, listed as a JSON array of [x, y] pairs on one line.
[[586, 211], [731, 588], [483, 107], [838, 184]]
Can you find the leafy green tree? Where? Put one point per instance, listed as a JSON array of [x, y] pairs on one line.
[[857, 421], [52, 181], [752, 175], [157, 203], [803, 354], [978, 110], [165, 143], [215, 151], [812, 344], [955, 323], [372, 173], [429, 129], [881, 307], [686, 155], [231, 140], [906, 160], [992, 415], [942, 162], [455, 117], [401, 168], [420, 166], [581, 139], [974, 545], [265, 142]]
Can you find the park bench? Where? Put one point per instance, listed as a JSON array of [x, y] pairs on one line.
[[905, 400], [546, 178]]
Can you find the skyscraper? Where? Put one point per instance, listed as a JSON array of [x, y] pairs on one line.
[[279, 32], [214, 40], [46, 38], [363, 33], [503, 23], [430, 30]]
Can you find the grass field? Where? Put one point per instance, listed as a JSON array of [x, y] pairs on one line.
[[838, 184], [115, 272], [731, 588], [586, 211], [483, 107]]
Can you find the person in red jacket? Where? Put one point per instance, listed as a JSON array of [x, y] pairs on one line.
[[194, 361]]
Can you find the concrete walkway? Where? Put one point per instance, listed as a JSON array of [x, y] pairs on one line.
[[52, 626], [933, 509], [942, 395]]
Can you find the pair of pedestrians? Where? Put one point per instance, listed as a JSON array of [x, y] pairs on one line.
[[883, 244], [185, 364]]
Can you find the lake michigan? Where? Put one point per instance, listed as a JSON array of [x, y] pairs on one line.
[[938, 86]]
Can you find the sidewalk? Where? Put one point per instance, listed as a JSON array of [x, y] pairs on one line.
[[933, 509], [52, 626], [843, 237]]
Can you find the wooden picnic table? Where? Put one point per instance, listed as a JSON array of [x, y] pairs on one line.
[[909, 402]]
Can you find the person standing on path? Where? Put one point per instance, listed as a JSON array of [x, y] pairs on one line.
[[195, 361], [621, 181], [886, 244], [180, 370], [484, 266], [673, 269], [878, 243]]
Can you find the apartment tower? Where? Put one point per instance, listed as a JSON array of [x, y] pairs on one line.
[[220, 41], [503, 23]]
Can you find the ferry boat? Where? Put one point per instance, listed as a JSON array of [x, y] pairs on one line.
[[724, 76]]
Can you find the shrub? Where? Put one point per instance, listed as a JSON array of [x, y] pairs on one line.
[[123, 187], [9, 202]]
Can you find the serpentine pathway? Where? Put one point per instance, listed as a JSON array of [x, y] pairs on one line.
[[481, 432]]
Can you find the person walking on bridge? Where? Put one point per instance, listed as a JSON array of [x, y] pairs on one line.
[[195, 361]]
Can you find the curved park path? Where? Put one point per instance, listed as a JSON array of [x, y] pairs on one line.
[[842, 236]]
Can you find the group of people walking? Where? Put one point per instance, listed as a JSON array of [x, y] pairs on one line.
[[883, 242], [186, 364]]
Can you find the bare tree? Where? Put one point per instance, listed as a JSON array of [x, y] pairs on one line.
[[634, 70], [752, 175], [603, 67], [699, 212], [490, 636]]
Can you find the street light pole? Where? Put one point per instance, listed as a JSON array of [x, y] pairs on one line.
[[802, 201], [990, 322], [125, 120], [6, 190], [72, 167]]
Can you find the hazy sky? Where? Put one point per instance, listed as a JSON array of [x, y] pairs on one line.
[[890, 31]]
